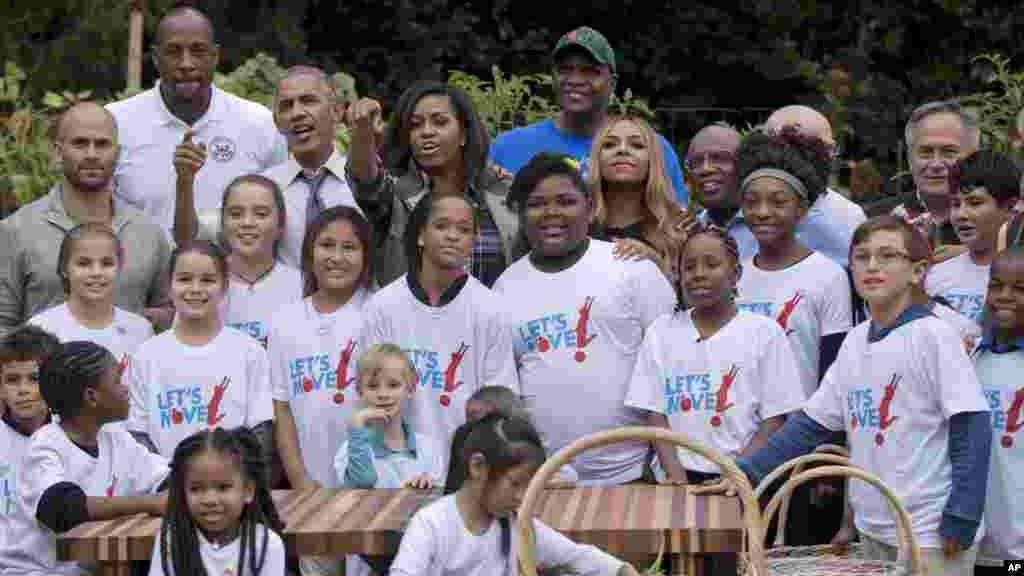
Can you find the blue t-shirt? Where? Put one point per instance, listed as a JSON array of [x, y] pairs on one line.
[[513, 149]]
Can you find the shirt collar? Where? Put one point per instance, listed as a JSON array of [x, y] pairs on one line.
[[913, 312], [447, 296], [377, 440], [57, 214], [989, 344], [164, 117], [335, 165]]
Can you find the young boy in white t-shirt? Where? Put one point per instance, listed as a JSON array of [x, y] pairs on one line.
[[78, 470], [906, 394], [984, 187], [24, 411], [999, 362]]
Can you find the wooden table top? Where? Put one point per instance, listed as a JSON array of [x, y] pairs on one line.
[[333, 522]]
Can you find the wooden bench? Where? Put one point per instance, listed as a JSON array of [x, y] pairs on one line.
[[633, 520]]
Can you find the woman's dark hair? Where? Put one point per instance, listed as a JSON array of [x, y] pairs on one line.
[[505, 442], [397, 149], [67, 246], [539, 168], [68, 371], [419, 219], [996, 172], [720, 234], [179, 543], [363, 232], [804, 156], [206, 249], [275, 192]]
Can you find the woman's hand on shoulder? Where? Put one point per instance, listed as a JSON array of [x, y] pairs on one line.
[[421, 482], [629, 248]]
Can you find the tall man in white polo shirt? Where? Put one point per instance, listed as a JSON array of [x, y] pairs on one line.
[[239, 135], [307, 113], [829, 225]]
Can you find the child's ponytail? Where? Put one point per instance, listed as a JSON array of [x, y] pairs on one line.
[[504, 442]]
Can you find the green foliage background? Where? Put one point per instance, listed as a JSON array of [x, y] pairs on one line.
[[692, 63]]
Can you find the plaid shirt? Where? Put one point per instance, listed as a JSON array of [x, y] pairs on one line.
[[488, 260]]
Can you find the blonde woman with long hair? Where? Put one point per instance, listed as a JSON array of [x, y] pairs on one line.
[[634, 203]]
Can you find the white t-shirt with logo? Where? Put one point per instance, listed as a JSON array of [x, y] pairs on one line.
[[185, 389], [122, 338], [240, 138], [968, 329], [457, 349], [12, 446], [223, 560], [962, 283], [809, 300], [1003, 385], [437, 542], [717, 390], [313, 360], [123, 468], [577, 334], [250, 307], [894, 398]]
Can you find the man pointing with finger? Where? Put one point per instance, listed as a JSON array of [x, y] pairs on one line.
[[230, 136]]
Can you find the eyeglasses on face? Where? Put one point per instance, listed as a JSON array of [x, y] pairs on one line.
[[885, 258]]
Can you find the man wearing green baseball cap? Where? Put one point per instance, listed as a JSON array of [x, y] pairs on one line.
[[585, 77]]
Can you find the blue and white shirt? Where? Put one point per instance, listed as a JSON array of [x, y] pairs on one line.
[[1000, 371]]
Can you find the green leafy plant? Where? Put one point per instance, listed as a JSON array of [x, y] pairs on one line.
[[997, 107], [506, 101], [26, 160]]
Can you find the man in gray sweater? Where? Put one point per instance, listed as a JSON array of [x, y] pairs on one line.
[[30, 238]]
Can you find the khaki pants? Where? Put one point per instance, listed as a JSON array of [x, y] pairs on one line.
[[935, 561]]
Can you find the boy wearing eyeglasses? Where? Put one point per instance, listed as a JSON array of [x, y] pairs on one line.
[[906, 394], [983, 190]]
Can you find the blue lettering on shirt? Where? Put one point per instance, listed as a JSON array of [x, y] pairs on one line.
[[760, 308], [182, 405], [429, 367], [969, 305], [545, 334], [862, 407], [995, 404], [689, 392], [254, 329], [6, 488], [307, 374]]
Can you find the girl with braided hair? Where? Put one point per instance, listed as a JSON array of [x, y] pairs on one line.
[[220, 516], [78, 469], [725, 376]]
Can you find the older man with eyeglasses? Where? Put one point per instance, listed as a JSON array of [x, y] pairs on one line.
[[937, 135]]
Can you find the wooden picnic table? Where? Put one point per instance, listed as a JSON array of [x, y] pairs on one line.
[[633, 520]]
